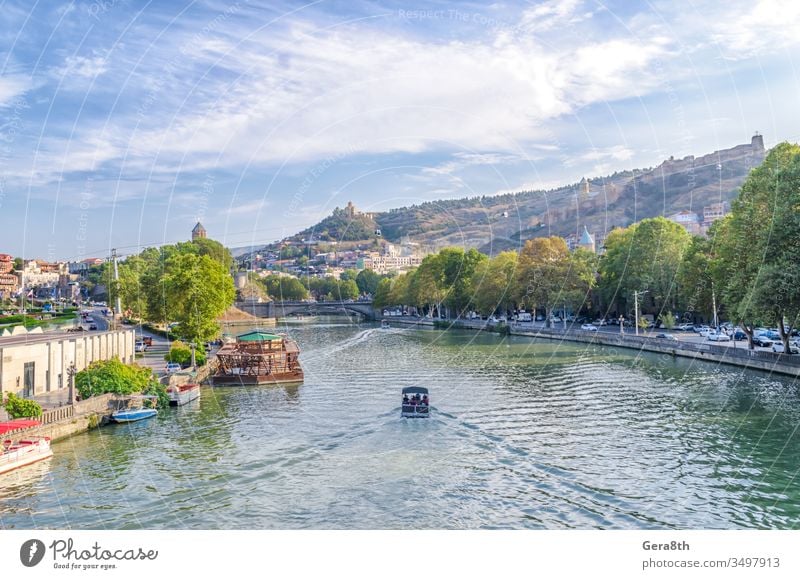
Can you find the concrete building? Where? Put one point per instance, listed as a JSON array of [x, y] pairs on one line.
[[689, 220], [35, 364], [199, 232]]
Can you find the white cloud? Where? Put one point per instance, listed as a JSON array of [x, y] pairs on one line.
[[751, 28], [81, 66], [11, 87]]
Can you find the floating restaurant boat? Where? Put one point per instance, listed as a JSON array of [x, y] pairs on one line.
[[258, 357], [182, 394], [23, 452], [137, 412], [416, 403]]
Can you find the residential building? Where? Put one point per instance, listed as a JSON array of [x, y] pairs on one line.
[[689, 220]]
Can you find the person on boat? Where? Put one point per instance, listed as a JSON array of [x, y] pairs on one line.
[[424, 400], [405, 399], [413, 401]]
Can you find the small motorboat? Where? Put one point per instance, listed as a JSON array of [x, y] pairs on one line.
[[180, 395], [385, 325], [136, 410], [23, 452], [416, 403]]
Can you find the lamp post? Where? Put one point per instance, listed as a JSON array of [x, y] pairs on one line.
[[193, 358], [71, 371], [621, 322]]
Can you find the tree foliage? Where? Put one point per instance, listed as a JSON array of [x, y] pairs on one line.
[[645, 256], [759, 246], [113, 376]]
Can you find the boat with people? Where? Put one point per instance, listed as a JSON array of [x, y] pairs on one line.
[[135, 409], [416, 402], [385, 325], [24, 452], [258, 357], [183, 393]]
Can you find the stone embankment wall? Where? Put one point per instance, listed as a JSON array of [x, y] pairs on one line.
[[736, 356]]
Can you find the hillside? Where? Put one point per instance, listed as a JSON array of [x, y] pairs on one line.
[[496, 223]]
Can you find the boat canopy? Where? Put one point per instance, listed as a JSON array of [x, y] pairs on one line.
[[258, 336], [415, 390], [17, 424]]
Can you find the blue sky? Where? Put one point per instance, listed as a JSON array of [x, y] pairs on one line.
[[123, 123]]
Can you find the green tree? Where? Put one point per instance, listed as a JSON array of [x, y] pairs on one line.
[[458, 268], [381, 297], [198, 290], [549, 276], [643, 256], [494, 282], [695, 279], [284, 288], [367, 281], [181, 353], [758, 250]]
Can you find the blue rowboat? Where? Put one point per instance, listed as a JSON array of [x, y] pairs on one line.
[[133, 414]]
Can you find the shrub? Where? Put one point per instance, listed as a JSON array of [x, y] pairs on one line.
[[112, 376], [17, 407], [182, 354]]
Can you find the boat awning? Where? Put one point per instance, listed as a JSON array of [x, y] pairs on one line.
[[258, 336], [17, 424], [415, 390]]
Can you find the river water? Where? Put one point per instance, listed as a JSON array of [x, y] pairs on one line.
[[523, 435]]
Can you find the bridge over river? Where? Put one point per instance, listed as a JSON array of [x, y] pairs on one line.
[[282, 309]]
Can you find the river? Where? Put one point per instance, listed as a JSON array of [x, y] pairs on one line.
[[523, 434]]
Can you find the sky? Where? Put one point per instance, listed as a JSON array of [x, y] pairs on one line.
[[123, 123]]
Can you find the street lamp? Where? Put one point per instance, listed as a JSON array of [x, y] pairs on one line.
[[621, 322], [71, 371]]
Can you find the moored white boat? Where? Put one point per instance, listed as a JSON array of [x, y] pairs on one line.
[[180, 395], [24, 452]]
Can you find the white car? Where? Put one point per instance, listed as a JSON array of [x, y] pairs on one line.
[[715, 336], [778, 348], [589, 327], [173, 367]]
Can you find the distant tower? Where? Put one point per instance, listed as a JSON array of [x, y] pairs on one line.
[[350, 210], [757, 142], [587, 241], [583, 188], [199, 232]]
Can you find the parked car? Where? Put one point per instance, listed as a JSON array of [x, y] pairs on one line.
[[685, 327], [600, 322], [700, 329], [141, 347], [762, 341], [715, 336], [778, 348], [555, 320], [589, 327], [739, 335], [667, 337], [92, 326], [173, 367]]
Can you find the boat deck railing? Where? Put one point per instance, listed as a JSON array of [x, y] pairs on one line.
[[416, 409]]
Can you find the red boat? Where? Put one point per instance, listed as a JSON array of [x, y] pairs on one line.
[[24, 452]]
